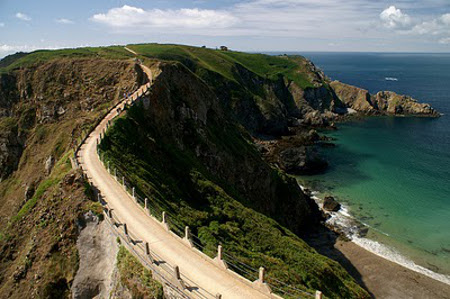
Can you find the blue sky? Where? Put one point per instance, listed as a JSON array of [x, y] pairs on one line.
[[252, 25]]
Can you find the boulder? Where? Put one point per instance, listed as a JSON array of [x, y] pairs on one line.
[[330, 204], [49, 164], [29, 191], [301, 160]]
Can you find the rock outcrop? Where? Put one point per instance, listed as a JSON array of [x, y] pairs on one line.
[[185, 112], [330, 204], [11, 148], [382, 103], [97, 248], [301, 160]]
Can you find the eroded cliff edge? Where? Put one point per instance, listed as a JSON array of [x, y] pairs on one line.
[[214, 140]]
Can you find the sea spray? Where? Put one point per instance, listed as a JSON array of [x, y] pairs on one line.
[[343, 222]]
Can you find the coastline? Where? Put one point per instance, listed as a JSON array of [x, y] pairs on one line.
[[386, 279], [383, 271]]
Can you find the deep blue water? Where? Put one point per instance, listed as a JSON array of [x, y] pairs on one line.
[[394, 173]]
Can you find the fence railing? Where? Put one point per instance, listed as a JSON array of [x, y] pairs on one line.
[[164, 272]]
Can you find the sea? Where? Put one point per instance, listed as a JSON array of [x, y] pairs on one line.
[[392, 174]]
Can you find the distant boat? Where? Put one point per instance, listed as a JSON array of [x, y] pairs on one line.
[[390, 79]]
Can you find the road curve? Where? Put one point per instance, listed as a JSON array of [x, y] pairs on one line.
[[200, 270]]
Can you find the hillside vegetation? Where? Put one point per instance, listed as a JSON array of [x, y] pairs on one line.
[[197, 146], [48, 99], [182, 148]]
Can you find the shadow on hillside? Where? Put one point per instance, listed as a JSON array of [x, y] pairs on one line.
[[323, 240]]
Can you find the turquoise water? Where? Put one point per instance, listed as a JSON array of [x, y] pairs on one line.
[[393, 174]]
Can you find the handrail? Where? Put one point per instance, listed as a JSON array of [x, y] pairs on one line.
[[229, 259]]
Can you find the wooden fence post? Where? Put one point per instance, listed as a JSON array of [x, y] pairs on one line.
[[164, 221], [147, 251], [260, 283], [219, 258], [187, 236], [318, 295], [177, 278], [262, 271]]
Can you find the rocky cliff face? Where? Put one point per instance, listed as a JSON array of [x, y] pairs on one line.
[[56, 92], [211, 145], [183, 111], [11, 148], [183, 148], [382, 103], [44, 107]]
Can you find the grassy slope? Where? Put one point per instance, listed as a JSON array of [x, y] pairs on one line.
[[136, 278], [38, 256], [37, 57], [177, 182], [217, 216], [223, 62]]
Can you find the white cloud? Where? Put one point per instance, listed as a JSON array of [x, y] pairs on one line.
[[446, 19], [262, 18], [2, 24], [8, 49], [439, 27], [23, 16], [294, 21], [445, 41], [64, 21], [435, 29], [134, 18], [394, 18]]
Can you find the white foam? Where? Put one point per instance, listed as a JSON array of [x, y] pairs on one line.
[[392, 255], [346, 223]]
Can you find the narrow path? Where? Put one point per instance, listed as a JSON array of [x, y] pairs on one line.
[[131, 51], [199, 269]]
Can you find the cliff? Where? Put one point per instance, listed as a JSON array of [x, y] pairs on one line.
[[382, 103], [46, 101], [211, 143], [183, 148]]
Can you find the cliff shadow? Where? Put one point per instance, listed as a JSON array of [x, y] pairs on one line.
[[323, 240]]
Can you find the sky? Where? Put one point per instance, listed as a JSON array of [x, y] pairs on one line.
[[251, 25]]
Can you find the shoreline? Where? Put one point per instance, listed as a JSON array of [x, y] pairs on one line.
[[386, 279], [363, 254]]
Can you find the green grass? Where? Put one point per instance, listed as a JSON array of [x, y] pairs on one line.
[[220, 62], [224, 63], [40, 56], [29, 205], [7, 123], [136, 277], [177, 182], [61, 168]]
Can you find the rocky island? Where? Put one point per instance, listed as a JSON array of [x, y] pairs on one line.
[[213, 143]]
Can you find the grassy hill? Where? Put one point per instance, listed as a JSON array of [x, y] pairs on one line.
[[20, 60], [192, 153], [223, 62]]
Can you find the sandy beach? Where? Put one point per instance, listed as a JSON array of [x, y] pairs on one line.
[[385, 279], [381, 277]]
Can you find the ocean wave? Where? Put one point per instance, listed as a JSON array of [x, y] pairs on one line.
[[351, 227], [391, 79], [392, 255]]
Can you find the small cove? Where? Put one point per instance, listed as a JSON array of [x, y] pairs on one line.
[[393, 174]]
